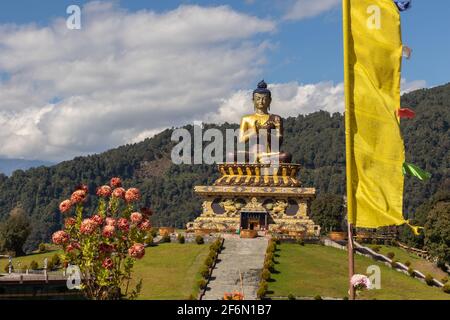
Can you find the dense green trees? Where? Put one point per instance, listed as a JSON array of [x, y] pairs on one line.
[[316, 141], [15, 231], [327, 210], [437, 228]]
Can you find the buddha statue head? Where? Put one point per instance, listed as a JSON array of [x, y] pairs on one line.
[[262, 97]]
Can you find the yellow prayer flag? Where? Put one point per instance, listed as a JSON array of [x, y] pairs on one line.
[[374, 145]]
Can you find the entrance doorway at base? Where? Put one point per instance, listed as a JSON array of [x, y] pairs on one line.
[[254, 220]]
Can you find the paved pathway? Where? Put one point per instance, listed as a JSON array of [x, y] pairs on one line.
[[245, 256]]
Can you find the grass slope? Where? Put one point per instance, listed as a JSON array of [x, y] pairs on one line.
[[307, 271], [417, 263], [170, 271], [26, 260]]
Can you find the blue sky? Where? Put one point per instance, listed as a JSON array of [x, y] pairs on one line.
[[138, 67], [308, 50]]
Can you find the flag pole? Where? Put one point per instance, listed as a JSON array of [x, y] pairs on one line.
[[348, 146], [351, 261]]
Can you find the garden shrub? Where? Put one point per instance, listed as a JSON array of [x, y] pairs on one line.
[[149, 240], [291, 296], [374, 241], [394, 263], [166, 238], [446, 288], [199, 240], [390, 255], [407, 263], [154, 232], [42, 248], [212, 255], [444, 280], [56, 260], [301, 242], [265, 275], [34, 265], [261, 293], [318, 297], [181, 239], [209, 262], [411, 272], [50, 265], [204, 271], [262, 290], [429, 279], [269, 265], [202, 284], [269, 256], [264, 284]]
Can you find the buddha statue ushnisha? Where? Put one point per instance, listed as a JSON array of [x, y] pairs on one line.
[[261, 128]]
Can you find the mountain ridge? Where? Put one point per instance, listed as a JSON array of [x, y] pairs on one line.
[[316, 141]]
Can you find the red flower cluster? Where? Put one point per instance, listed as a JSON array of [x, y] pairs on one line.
[[108, 263], [69, 222], [88, 226], [114, 233], [108, 231], [145, 225], [73, 246], [136, 217], [65, 206], [110, 221], [79, 196], [119, 193], [132, 195], [123, 224], [116, 182], [60, 237], [104, 191], [97, 219], [137, 250]]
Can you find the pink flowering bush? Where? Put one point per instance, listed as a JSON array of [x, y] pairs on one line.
[[361, 282], [105, 245]]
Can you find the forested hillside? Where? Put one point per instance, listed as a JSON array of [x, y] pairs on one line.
[[315, 140]]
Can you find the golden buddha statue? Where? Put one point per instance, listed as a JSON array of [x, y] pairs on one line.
[[260, 128]]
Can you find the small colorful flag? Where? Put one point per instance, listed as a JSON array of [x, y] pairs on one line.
[[407, 52], [406, 113], [403, 5], [413, 170]]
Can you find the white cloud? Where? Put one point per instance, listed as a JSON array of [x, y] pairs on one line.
[[288, 99], [412, 85], [303, 9], [123, 76]]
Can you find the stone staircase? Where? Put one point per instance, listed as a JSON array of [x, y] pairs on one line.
[[239, 257]]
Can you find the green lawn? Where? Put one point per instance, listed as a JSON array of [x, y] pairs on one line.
[[417, 263], [170, 270], [307, 271], [26, 260]]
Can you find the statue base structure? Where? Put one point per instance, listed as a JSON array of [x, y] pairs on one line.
[[253, 197]]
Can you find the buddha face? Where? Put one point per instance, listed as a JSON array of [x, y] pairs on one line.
[[262, 102]]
